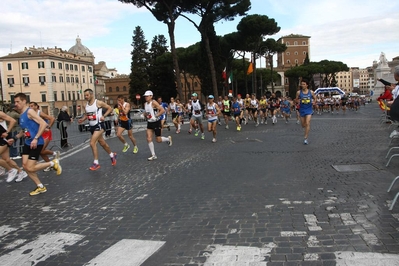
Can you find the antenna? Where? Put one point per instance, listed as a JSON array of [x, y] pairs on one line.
[[41, 45], [11, 47]]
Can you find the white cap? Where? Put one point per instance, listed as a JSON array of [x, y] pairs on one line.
[[148, 93]]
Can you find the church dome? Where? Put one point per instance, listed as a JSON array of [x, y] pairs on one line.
[[80, 49]]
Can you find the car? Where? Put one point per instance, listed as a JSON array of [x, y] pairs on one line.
[[137, 114]]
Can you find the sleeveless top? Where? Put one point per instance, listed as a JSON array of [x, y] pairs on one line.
[[93, 113], [196, 106], [150, 112], [30, 127], [173, 107], [122, 115], [211, 112], [254, 104], [226, 105], [305, 101]]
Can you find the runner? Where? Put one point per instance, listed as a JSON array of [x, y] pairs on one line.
[[285, 109], [172, 110], [247, 106], [213, 112], [263, 109], [226, 110], [163, 117], [47, 134], [237, 113], [153, 111], [254, 109], [178, 120], [34, 127], [305, 97], [196, 118], [273, 104], [96, 119], [125, 123], [220, 105], [6, 142], [241, 102]]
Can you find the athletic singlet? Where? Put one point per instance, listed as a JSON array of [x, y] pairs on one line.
[[226, 105], [305, 102], [254, 103], [196, 107], [236, 108], [179, 109], [247, 102], [93, 113], [122, 115], [211, 112], [31, 128], [241, 102], [150, 112], [262, 103], [173, 107]]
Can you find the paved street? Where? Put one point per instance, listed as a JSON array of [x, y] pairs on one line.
[[256, 197]]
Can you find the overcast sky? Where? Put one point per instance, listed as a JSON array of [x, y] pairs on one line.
[[352, 31]]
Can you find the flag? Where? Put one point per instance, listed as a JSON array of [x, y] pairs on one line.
[[250, 68], [231, 77], [224, 75]]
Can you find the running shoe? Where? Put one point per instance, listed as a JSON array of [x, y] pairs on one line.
[[125, 148], [202, 136], [152, 158], [213, 140], [168, 127], [227, 126], [11, 175], [57, 155], [21, 176], [57, 167], [177, 131], [135, 149], [189, 131], [94, 167], [393, 133], [196, 133], [113, 159], [297, 122], [47, 169], [169, 142], [37, 191], [305, 142], [239, 128]]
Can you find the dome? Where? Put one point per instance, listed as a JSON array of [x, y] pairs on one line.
[[80, 49]]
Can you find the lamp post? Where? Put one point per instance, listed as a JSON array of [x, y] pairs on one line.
[[260, 66]]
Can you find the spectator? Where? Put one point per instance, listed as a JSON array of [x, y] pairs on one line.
[[63, 120]]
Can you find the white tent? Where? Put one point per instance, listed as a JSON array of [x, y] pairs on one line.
[[329, 90]]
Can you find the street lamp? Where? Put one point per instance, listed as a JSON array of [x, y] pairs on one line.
[[260, 66]]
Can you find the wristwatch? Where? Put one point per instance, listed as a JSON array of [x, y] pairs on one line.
[[36, 138]]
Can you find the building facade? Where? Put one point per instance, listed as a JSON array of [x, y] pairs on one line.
[[298, 46]]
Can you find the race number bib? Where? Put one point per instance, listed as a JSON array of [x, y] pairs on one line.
[[91, 116]]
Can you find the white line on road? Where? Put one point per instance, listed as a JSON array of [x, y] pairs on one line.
[[127, 252], [5, 229]]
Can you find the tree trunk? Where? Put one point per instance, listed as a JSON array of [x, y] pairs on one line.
[[211, 64], [171, 31]]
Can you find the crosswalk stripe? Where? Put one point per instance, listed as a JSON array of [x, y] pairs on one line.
[[6, 229], [127, 252]]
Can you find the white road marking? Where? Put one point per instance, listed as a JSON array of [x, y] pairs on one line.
[[6, 229], [237, 256], [311, 221], [347, 258], [347, 219], [311, 257], [293, 233], [15, 244], [313, 242], [40, 249], [127, 252]]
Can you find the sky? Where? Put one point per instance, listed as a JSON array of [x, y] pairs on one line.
[[354, 32]]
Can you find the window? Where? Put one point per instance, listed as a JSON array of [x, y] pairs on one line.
[[124, 88], [78, 96], [69, 95], [59, 65], [304, 42], [287, 43], [73, 96], [295, 43], [288, 61], [25, 80], [90, 69], [42, 79], [44, 97], [61, 78], [72, 80], [83, 69], [288, 53], [9, 66], [10, 82], [117, 88], [62, 96], [91, 80], [296, 53], [76, 67], [55, 96], [25, 65], [76, 79], [110, 89], [66, 66], [52, 64], [296, 61], [12, 98], [70, 66], [67, 79], [304, 53], [40, 64], [83, 79], [53, 78]]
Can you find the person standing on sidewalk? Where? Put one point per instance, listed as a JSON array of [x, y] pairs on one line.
[[63, 120], [153, 111], [125, 123], [34, 127], [306, 98]]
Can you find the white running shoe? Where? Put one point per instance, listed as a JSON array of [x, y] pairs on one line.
[[227, 126], [152, 158], [11, 175], [21, 176], [393, 133], [47, 169], [169, 142], [213, 140]]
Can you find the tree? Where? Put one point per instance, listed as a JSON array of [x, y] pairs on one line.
[[138, 76], [160, 69], [271, 47], [166, 11], [211, 11]]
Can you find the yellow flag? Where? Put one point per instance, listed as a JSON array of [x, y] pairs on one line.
[[250, 69]]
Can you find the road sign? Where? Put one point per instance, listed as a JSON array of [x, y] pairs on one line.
[[137, 96]]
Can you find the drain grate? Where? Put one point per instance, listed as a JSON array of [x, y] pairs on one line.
[[354, 167]]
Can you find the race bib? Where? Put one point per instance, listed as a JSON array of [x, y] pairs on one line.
[[91, 116]]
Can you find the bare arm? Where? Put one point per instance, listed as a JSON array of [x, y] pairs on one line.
[[50, 119], [102, 104], [160, 109], [42, 124], [10, 120]]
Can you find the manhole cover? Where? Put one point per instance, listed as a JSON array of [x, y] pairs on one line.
[[354, 167]]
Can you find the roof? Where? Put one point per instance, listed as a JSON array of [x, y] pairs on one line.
[[80, 49], [295, 36]]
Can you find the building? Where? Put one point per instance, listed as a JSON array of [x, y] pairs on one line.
[[52, 77], [116, 86], [358, 80]]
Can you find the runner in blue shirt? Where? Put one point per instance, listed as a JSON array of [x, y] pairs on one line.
[[306, 98]]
